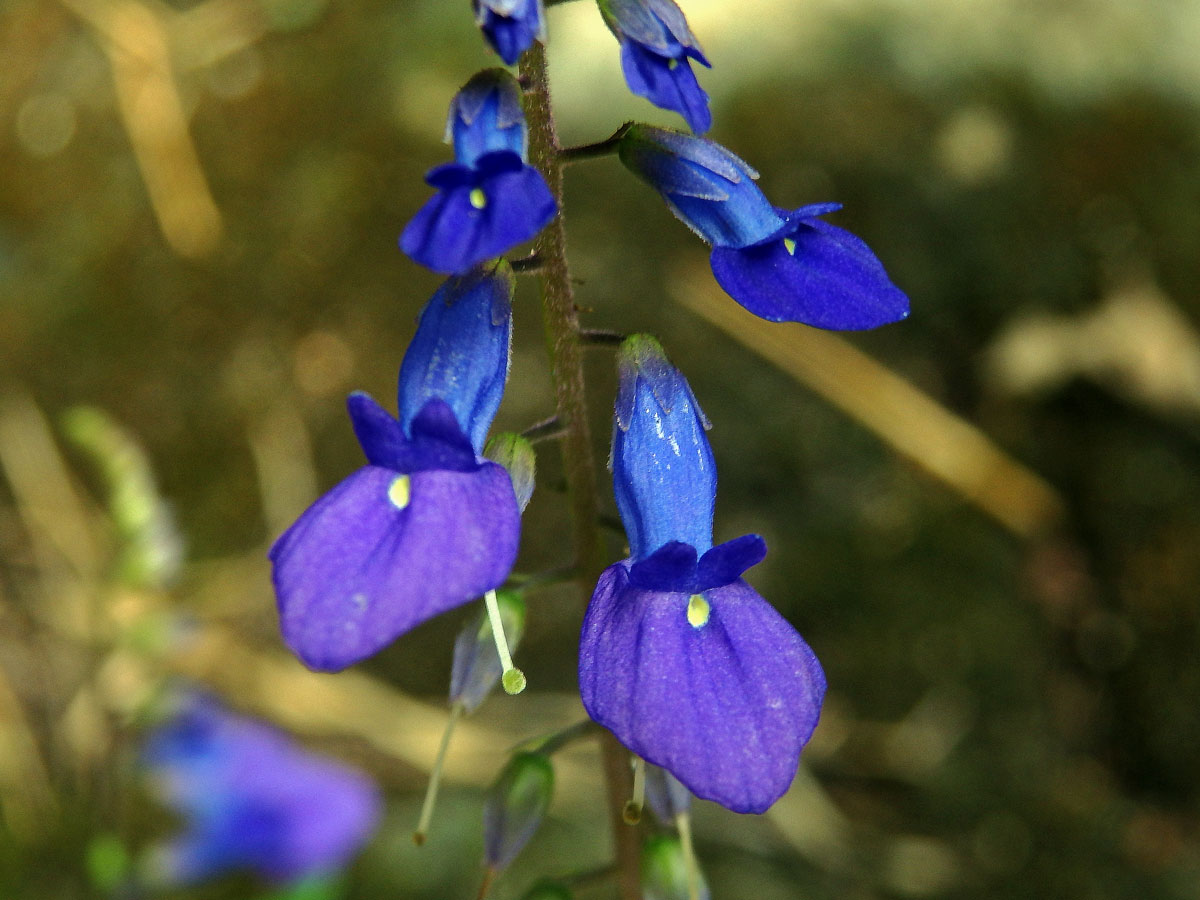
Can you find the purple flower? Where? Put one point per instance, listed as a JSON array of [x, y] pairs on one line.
[[811, 272], [428, 524], [489, 199], [680, 658], [480, 212], [656, 46], [782, 266], [511, 26], [253, 799]]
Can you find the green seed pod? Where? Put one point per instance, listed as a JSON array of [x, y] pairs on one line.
[[515, 805], [665, 871]]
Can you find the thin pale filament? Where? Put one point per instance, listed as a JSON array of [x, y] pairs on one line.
[[683, 822], [633, 809], [435, 777], [513, 678]]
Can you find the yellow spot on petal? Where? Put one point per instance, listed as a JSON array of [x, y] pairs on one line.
[[697, 611], [400, 491], [478, 198], [672, 64], [790, 245]]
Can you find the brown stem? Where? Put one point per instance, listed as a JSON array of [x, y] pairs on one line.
[[561, 325]]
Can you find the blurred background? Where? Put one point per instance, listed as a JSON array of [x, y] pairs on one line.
[[985, 520]]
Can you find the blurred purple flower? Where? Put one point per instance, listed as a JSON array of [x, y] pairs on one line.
[[252, 799]]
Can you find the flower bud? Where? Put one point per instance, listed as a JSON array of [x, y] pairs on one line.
[[486, 116], [514, 807], [665, 871], [460, 352], [664, 476], [516, 454], [709, 188], [476, 668]]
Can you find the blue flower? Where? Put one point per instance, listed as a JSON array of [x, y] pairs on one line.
[[486, 116], [253, 799], [427, 524], [488, 200], [680, 658], [511, 26], [782, 266], [656, 46]]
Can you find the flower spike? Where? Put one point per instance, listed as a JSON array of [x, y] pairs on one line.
[[656, 48], [782, 266], [680, 658]]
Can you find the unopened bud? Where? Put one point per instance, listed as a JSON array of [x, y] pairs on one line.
[[668, 872], [516, 454], [515, 805], [477, 667]]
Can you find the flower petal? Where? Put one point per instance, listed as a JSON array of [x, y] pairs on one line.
[[664, 476], [379, 434], [452, 232], [726, 562], [437, 439], [725, 706], [668, 82], [819, 274], [460, 351], [672, 567], [367, 562], [511, 26]]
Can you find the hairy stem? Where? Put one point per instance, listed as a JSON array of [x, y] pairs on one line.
[[561, 325], [606, 147]]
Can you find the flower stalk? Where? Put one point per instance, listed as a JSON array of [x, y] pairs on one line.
[[561, 327], [607, 147]]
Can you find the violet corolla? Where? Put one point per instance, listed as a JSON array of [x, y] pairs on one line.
[[784, 266], [253, 799], [489, 199], [679, 657], [428, 524]]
